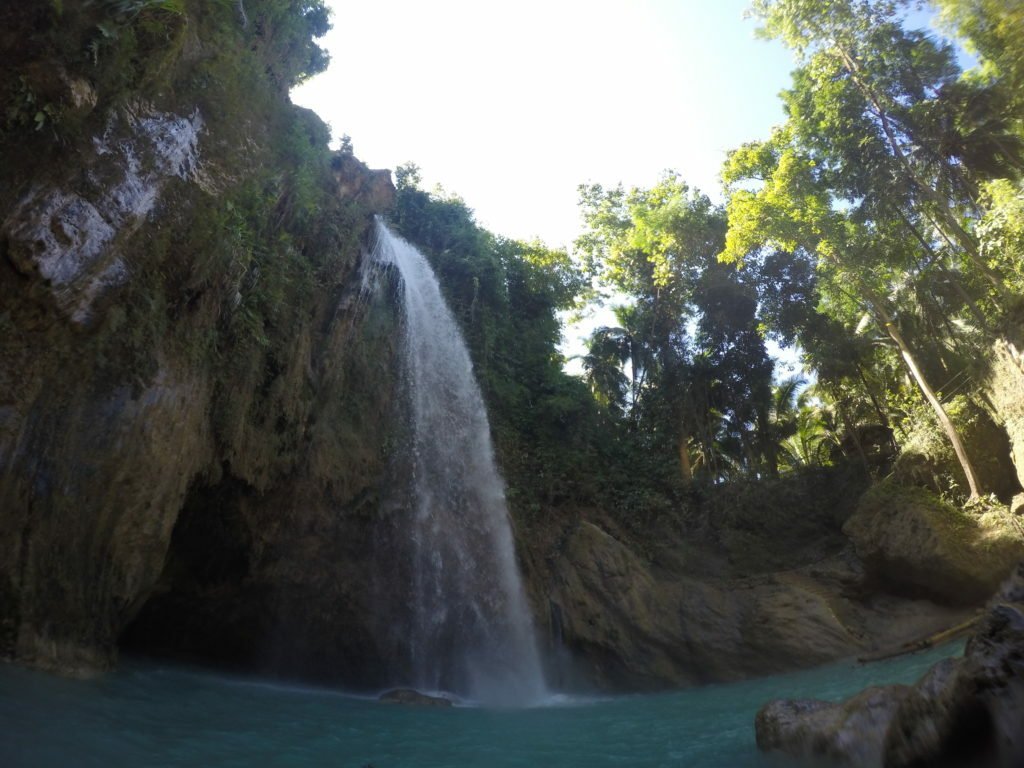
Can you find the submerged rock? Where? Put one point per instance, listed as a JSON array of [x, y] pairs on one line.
[[963, 712], [414, 698]]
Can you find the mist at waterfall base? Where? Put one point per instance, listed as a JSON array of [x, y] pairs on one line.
[[147, 715], [465, 626]]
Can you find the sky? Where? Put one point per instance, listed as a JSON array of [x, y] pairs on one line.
[[513, 105]]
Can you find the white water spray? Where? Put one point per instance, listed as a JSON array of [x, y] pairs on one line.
[[470, 629]]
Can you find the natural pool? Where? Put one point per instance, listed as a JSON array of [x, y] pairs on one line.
[[148, 714]]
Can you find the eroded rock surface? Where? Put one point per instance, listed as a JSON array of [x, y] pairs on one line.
[[641, 626], [181, 352], [66, 232]]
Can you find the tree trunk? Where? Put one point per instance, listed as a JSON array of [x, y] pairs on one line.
[[933, 401], [771, 453], [851, 430], [684, 456], [883, 417]]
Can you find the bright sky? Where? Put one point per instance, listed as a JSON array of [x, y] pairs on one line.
[[512, 105]]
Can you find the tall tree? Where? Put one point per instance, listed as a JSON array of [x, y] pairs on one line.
[[800, 204]]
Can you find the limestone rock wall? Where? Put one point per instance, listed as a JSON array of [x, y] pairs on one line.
[[186, 350], [1006, 387]]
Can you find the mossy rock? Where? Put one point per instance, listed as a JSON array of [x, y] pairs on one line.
[[927, 459], [916, 544]]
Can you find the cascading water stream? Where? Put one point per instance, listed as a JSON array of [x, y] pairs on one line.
[[470, 629]]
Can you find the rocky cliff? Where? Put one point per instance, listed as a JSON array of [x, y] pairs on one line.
[[763, 578], [191, 379]]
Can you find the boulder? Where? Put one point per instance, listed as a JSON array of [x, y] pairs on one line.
[[970, 711], [913, 543]]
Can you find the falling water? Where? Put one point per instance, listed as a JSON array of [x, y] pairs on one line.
[[470, 629]]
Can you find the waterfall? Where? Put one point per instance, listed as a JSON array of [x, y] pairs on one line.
[[469, 626]]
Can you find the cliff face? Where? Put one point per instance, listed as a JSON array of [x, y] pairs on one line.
[[758, 578], [186, 361]]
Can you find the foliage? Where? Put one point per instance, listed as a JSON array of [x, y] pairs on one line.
[[1001, 230], [699, 375], [868, 206], [884, 219], [232, 273]]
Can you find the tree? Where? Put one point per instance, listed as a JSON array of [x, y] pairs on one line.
[[794, 209], [859, 47], [689, 335]]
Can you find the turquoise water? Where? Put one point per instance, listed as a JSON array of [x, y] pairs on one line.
[[155, 715]]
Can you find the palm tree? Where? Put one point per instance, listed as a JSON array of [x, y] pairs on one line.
[[608, 351], [778, 422], [808, 444]]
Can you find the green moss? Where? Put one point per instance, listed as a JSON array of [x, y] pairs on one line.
[[891, 492]]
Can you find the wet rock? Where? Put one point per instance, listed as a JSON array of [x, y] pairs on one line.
[[414, 698], [847, 733], [913, 543], [963, 712], [970, 712], [117, 418], [77, 575], [639, 627]]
